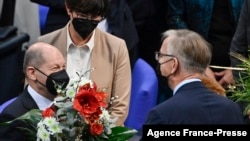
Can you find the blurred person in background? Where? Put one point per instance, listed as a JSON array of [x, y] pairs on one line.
[[26, 19], [240, 45], [216, 21], [149, 18], [241, 40], [57, 16]]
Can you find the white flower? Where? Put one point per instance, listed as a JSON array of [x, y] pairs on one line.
[[42, 133], [107, 121], [73, 83], [71, 92], [86, 81], [52, 125], [105, 115]]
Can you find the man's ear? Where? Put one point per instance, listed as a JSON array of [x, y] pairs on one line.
[[31, 73], [175, 65]]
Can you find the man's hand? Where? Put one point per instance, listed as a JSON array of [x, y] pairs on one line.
[[225, 78]]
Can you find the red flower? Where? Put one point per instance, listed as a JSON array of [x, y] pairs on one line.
[[101, 96], [88, 101], [85, 103], [96, 129], [87, 87], [95, 116], [49, 112]]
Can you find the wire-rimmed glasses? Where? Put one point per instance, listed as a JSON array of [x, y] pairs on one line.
[[158, 55]]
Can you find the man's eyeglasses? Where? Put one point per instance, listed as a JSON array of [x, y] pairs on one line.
[[158, 55], [94, 20]]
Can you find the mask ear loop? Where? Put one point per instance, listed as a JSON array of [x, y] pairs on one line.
[[38, 80], [41, 72], [40, 83]]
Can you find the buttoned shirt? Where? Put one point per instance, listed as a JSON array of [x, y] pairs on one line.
[[78, 57]]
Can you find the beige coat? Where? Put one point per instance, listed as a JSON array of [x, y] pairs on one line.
[[112, 67]]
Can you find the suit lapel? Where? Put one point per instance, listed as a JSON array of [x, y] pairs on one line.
[[61, 42], [94, 56], [27, 100]]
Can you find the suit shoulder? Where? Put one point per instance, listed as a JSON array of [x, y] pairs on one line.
[[165, 106], [10, 112], [19, 106], [50, 36]]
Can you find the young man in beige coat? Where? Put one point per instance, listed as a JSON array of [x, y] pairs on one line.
[[84, 47]]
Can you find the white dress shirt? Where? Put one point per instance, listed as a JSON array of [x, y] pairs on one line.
[[104, 26], [78, 57], [41, 101]]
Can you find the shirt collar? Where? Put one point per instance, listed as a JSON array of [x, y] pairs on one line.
[[183, 83], [41, 101]]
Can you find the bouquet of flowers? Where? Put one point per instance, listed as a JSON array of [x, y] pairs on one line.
[[77, 114], [241, 91]]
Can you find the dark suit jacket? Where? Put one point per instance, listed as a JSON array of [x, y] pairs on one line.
[[20, 106], [241, 39], [197, 15], [193, 103], [149, 18], [122, 25]]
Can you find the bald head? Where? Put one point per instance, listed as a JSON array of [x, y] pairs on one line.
[[40, 61], [41, 46], [40, 53]]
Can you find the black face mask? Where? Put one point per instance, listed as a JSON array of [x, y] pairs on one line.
[[84, 26], [59, 78], [158, 70], [163, 79]]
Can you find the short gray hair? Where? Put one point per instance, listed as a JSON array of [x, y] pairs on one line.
[[192, 50]]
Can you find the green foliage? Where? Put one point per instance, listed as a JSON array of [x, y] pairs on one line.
[[33, 116], [241, 93], [31, 119], [121, 133]]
